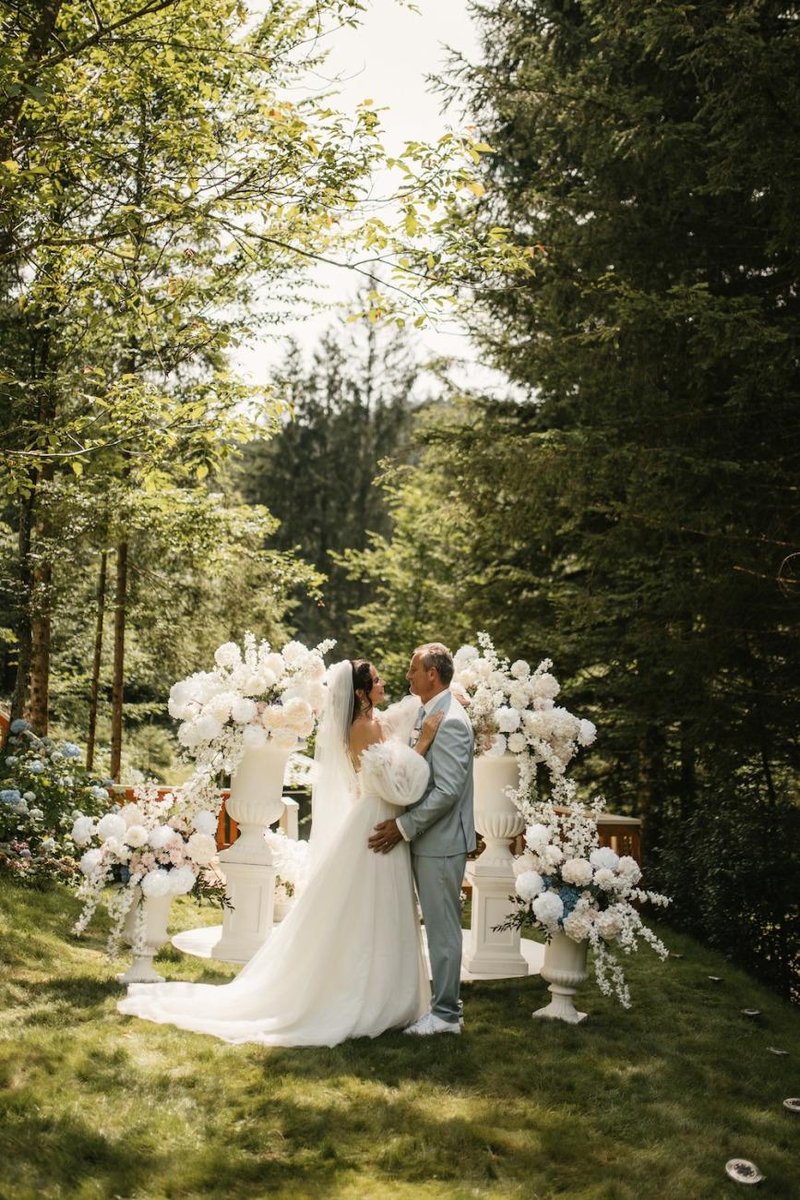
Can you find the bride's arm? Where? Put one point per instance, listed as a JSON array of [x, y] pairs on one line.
[[428, 732]]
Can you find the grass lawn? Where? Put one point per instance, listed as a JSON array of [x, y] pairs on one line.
[[639, 1105]]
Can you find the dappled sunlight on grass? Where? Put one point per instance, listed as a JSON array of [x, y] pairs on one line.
[[629, 1106]]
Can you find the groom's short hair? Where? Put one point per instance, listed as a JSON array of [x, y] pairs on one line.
[[438, 657]]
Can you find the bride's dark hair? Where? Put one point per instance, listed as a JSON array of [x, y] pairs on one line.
[[362, 681]]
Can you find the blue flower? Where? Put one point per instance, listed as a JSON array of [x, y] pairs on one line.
[[70, 750], [18, 726], [36, 767], [12, 760], [10, 796], [99, 793]]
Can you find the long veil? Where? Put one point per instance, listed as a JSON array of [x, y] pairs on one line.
[[334, 782]]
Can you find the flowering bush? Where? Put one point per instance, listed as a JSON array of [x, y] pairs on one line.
[[566, 881], [42, 782], [156, 844], [250, 697], [513, 710]]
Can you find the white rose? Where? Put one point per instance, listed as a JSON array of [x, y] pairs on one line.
[[529, 885], [156, 883], [227, 655], [577, 871], [111, 826], [181, 880], [91, 861], [136, 836], [604, 856], [548, 908], [205, 822], [507, 719], [201, 848], [83, 831]]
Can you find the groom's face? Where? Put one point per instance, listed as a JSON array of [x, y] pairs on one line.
[[422, 683]]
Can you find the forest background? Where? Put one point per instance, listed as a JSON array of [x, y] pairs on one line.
[[629, 509]]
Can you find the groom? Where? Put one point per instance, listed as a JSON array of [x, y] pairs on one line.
[[441, 831]]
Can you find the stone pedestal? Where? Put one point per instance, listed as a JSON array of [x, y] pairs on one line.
[[255, 803], [492, 875]]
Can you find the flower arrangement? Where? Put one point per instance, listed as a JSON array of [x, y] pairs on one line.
[[513, 710], [252, 696], [155, 844], [567, 882], [291, 861], [41, 782]]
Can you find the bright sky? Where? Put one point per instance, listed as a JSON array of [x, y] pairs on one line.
[[387, 59]]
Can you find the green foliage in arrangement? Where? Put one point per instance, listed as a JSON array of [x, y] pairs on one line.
[[627, 1106]]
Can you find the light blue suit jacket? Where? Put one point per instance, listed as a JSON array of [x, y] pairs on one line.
[[441, 823]]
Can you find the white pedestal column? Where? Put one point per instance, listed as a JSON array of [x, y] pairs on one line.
[[492, 876], [154, 912], [255, 803]]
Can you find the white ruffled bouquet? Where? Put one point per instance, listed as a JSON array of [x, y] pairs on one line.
[[251, 696], [566, 881], [512, 709], [156, 844]]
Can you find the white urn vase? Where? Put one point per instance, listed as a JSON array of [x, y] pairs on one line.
[[145, 931], [564, 969], [255, 803], [493, 952]]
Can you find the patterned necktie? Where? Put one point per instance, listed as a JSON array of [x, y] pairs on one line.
[[418, 725]]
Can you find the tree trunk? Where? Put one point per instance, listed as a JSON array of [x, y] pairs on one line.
[[119, 659], [39, 701], [98, 652], [19, 702]]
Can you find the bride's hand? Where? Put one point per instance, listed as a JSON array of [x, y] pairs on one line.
[[427, 731]]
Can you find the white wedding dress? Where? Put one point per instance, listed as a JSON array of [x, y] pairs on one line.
[[347, 959]]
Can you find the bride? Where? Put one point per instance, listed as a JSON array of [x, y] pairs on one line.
[[347, 959]]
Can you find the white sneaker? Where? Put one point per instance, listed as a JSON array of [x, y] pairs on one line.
[[430, 1023]]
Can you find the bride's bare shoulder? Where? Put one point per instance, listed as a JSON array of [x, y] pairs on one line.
[[365, 731]]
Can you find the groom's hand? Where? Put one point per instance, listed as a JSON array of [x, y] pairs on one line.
[[385, 837]]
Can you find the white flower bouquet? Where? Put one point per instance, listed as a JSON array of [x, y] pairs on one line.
[[566, 881], [513, 710], [155, 844], [251, 696]]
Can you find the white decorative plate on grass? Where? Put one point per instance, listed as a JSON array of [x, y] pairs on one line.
[[743, 1171], [792, 1104]]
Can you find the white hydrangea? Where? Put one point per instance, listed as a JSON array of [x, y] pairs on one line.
[[520, 669], [227, 655], [629, 868], [577, 925], [507, 719], [201, 848], [205, 822], [111, 826], [517, 743], [587, 733], [519, 696], [545, 686], [552, 855], [577, 871], [136, 836], [524, 862], [132, 814], [548, 908], [299, 717], [181, 880], [606, 879], [604, 856], [464, 655], [243, 710], [163, 836], [91, 861], [220, 706], [537, 836], [609, 924], [207, 728], [254, 736], [156, 883], [293, 653], [83, 831], [529, 885]]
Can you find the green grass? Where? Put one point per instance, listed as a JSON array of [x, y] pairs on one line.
[[643, 1105]]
